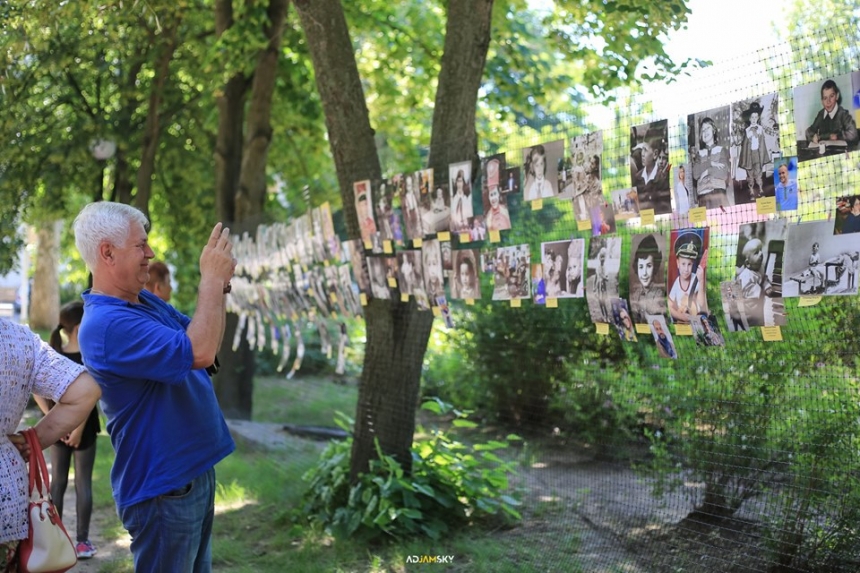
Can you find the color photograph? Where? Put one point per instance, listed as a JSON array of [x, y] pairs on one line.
[[683, 190], [540, 170], [364, 210], [662, 336], [823, 118], [706, 331], [687, 263], [622, 321], [602, 219], [847, 215], [624, 203], [496, 214], [785, 184]]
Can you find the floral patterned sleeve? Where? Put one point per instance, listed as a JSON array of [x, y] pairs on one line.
[[52, 373]]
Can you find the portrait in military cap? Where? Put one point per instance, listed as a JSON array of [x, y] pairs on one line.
[[689, 255]]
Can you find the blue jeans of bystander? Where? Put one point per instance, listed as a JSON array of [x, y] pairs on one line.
[[173, 532]]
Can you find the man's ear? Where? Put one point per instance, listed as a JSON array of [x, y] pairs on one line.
[[106, 252]]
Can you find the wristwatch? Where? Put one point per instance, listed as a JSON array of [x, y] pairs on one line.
[[228, 287]]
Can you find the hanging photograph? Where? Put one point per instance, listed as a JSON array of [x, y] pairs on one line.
[[687, 277], [785, 184], [729, 296], [819, 262], [331, 239], [584, 182], [757, 287], [436, 209], [460, 176], [823, 118], [624, 203], [511, 267], [709, 148], [538, 284], [465, 283], [359, 265], [434, 281], [847, 215], [602, 219], [409, 271], [383, 210], [364, 210], [649, 166], [755, 137], [662, 336], [604, 263], [511, 180], [493, 172], [706, 331], [378, 278], [447, 258], [410, 201], [683, 191], [622, 321], [496, 214], [647, 276], [540, 170]]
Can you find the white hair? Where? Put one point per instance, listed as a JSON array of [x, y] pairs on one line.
[[104, 221]]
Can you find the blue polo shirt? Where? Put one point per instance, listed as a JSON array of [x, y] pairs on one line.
[[163, 419]]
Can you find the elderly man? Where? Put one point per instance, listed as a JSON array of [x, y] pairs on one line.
[[150, 362]]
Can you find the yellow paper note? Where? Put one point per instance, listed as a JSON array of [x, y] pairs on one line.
[[387, 248], [437, 311], [516, 303], [683, 330], [642, 328], [417, 243], [444, 236], [765, 205], [584, 225], [771, 333], [362, 297], [552, 303], [698, 215], [647, 216], [404, 297], [470, 301], [368, 245], [809, 300], [332, 297], [602, 328], [537, 204], [465, 238], [495, 236], [392, 282]]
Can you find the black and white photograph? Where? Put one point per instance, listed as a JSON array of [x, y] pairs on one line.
[[540, 170], [465, 283], [757, 287], [359, 265], [410, 201], [436, 209], [494, 174], [604, 264], [622, 321], [383, 209], [824, 119], [410, 276], [709, 149], [817, 262], [662, 336], [496, 214], [511, 266], [434, 279], [378, 278], [364, 210], [647, 276], [729, 296], [584, 182], [706, 331], [624, 203], [447, 258], [460, 177], [649, 166], [562, 264], [755, 138]]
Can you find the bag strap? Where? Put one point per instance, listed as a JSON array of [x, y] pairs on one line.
[[38, 468]]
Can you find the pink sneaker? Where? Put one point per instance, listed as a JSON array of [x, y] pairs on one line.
[[85, 549]]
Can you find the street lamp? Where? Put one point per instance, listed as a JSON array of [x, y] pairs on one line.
[[102, 150]]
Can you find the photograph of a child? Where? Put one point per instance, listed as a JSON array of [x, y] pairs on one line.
[[662, 336], [444, 310], [460, 176], [688, 260], [410, 276], [358, 261], [729, 296], [622, 321], [819, 262], [823, 118], [511, 266], [785, 183], [706, 332], [602, 219], [647, 276], [847, 216], [540, 168], [434, 279], [709, 150], [496, 214], [538, 284], [624, 203], [410, 185], [604, 263], [378, 278], [755, 142], [364, 210], [757, 287], [436, 209], [584, 181], [649, 166], [466, 283], [562, 263]]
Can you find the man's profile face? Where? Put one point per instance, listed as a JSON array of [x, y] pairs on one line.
[[828, 99], [783, 174]]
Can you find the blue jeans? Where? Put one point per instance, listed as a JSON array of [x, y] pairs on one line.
[[173, 532]]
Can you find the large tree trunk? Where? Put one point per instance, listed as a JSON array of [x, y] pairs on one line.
[[45, 296], [397, 333], [241, 185]]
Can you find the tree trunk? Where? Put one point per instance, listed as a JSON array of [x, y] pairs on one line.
[[45, 296], [397, 333]]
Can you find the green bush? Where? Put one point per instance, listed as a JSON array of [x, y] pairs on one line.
[[451, 485]]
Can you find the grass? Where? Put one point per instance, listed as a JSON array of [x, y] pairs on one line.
[[257, 492]]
